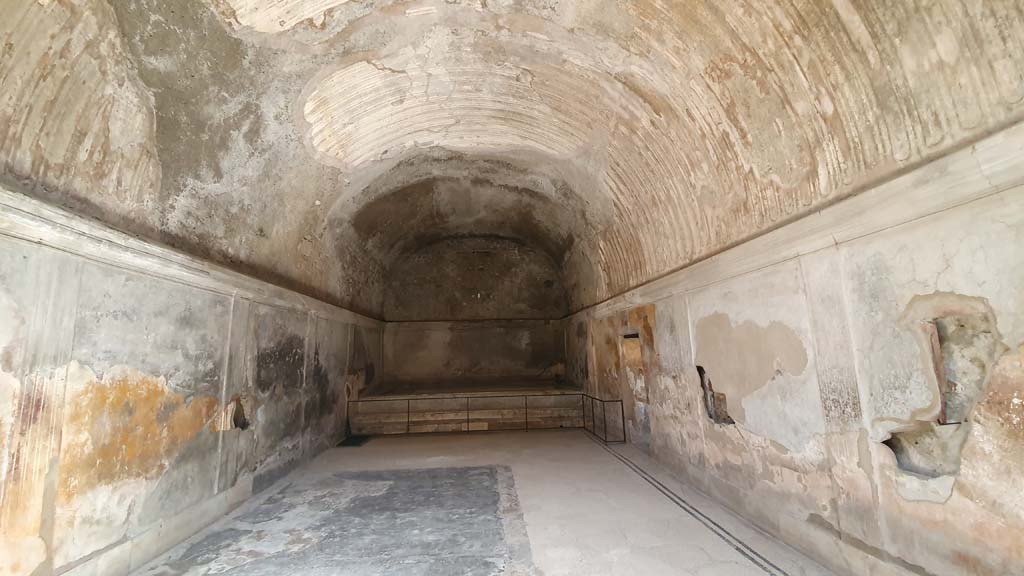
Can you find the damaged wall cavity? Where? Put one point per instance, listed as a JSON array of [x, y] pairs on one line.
[[715, 403], [968, 348], [960, 344]]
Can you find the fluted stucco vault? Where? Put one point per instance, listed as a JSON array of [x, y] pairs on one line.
[[327, 145]]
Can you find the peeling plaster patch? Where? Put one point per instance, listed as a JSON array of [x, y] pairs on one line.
[[959, 342], [761, 370], [124, 426], [747, 357], [626, 364], [119, 435], [752, 334], [280, 15]]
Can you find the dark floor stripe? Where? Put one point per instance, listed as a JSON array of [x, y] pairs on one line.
[[755, 558]]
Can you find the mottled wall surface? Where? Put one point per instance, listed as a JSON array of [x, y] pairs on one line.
[[822, 360], [134, 409], [626, 139], [280, 357], [142, 390], [475, 279], [439, 352], [326, 409]]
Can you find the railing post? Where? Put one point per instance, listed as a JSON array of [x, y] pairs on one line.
[[408, 415], [526, 412], [604, 417], [622, 420], [583, 413]]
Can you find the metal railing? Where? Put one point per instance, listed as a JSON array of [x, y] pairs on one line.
[[618, 433], [489, 413]]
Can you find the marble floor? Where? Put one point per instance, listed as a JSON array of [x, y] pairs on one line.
[[516, 503]]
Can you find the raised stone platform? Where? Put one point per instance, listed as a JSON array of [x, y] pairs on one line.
[[465, 407]]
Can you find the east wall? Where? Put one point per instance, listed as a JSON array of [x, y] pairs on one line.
[[825, 343], [144, 394]]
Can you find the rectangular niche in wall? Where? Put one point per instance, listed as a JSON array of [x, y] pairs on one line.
[[714, 402], [632, 351]]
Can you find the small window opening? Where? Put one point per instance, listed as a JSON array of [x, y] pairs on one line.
[[631, 336], [714, 402]]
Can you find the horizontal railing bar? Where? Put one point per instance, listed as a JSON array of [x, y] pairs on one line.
[[479, 415]]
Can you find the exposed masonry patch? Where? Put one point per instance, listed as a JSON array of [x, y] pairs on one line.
[[961, 344], [715, 403], [968, 347]]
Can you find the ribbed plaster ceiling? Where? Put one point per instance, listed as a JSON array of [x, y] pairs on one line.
[[624, 139]]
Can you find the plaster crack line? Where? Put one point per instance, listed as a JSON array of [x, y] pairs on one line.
[[383, 68]]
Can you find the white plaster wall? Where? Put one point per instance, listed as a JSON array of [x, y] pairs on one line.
[[808, 463], [976, 250], [786, 408], [96, 328]]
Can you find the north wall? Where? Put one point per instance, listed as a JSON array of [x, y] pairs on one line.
[[457, 355]]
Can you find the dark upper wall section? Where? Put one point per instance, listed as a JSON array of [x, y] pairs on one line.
[[662, 131], [456, 356], [476, 278]]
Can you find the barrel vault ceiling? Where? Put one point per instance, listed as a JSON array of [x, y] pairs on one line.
[[315, 143]]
